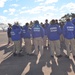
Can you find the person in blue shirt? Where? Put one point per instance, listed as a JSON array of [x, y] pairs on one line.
[[27, 39], [53, 33], [21, 41], [45, 36], [16, 38], [69, 34], [46, 41], [73, 21], [37, 35], [62, 40]]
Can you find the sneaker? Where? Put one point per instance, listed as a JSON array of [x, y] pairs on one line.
[[74, 57], [66, 56], [30, 54], [45, 47], [59, 56], [52, 56], [20, 55], [21, 51], [14, 54]]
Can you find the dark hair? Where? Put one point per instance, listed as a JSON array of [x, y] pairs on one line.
[[9, 24], [68, 19], [36, 21], [27, 24], [46, 20], [52, 21], [56, 21]]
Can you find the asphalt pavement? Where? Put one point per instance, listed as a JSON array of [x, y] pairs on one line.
[[32, 65]]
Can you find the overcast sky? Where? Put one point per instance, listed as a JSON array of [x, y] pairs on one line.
[[27, 10]]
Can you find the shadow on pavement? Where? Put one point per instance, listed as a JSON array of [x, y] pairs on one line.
[[15, 65], [45, 66], [6, 48]]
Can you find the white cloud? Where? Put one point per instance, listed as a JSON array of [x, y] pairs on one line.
[[39, 0], [48, 8], [70, 8], [11, 11], [50, 1], [21, 20], [5, 11], [3, 19], [39, 9], [46, 2], [15, 0], [41, 18], [2, 2], [23, 7], [15, 5], [16, 15], [35, 10]]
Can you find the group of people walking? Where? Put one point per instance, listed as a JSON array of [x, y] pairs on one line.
[[43, 35]]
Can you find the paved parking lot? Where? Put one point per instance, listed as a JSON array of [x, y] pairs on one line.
[[31, 65]]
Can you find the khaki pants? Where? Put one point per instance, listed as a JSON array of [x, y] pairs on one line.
[[16, 47], [68, 43], [45, 41], [28, 48], [38, 42], [21, 43], [55, 46], [61, 38], [62, 42], [9, 40]]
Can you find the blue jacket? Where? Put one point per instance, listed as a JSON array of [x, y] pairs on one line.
[[54, 32], [26, 32], [46, 27], [73, 21], [37, 31], [44, 31], [69, 30], [16, 33]]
